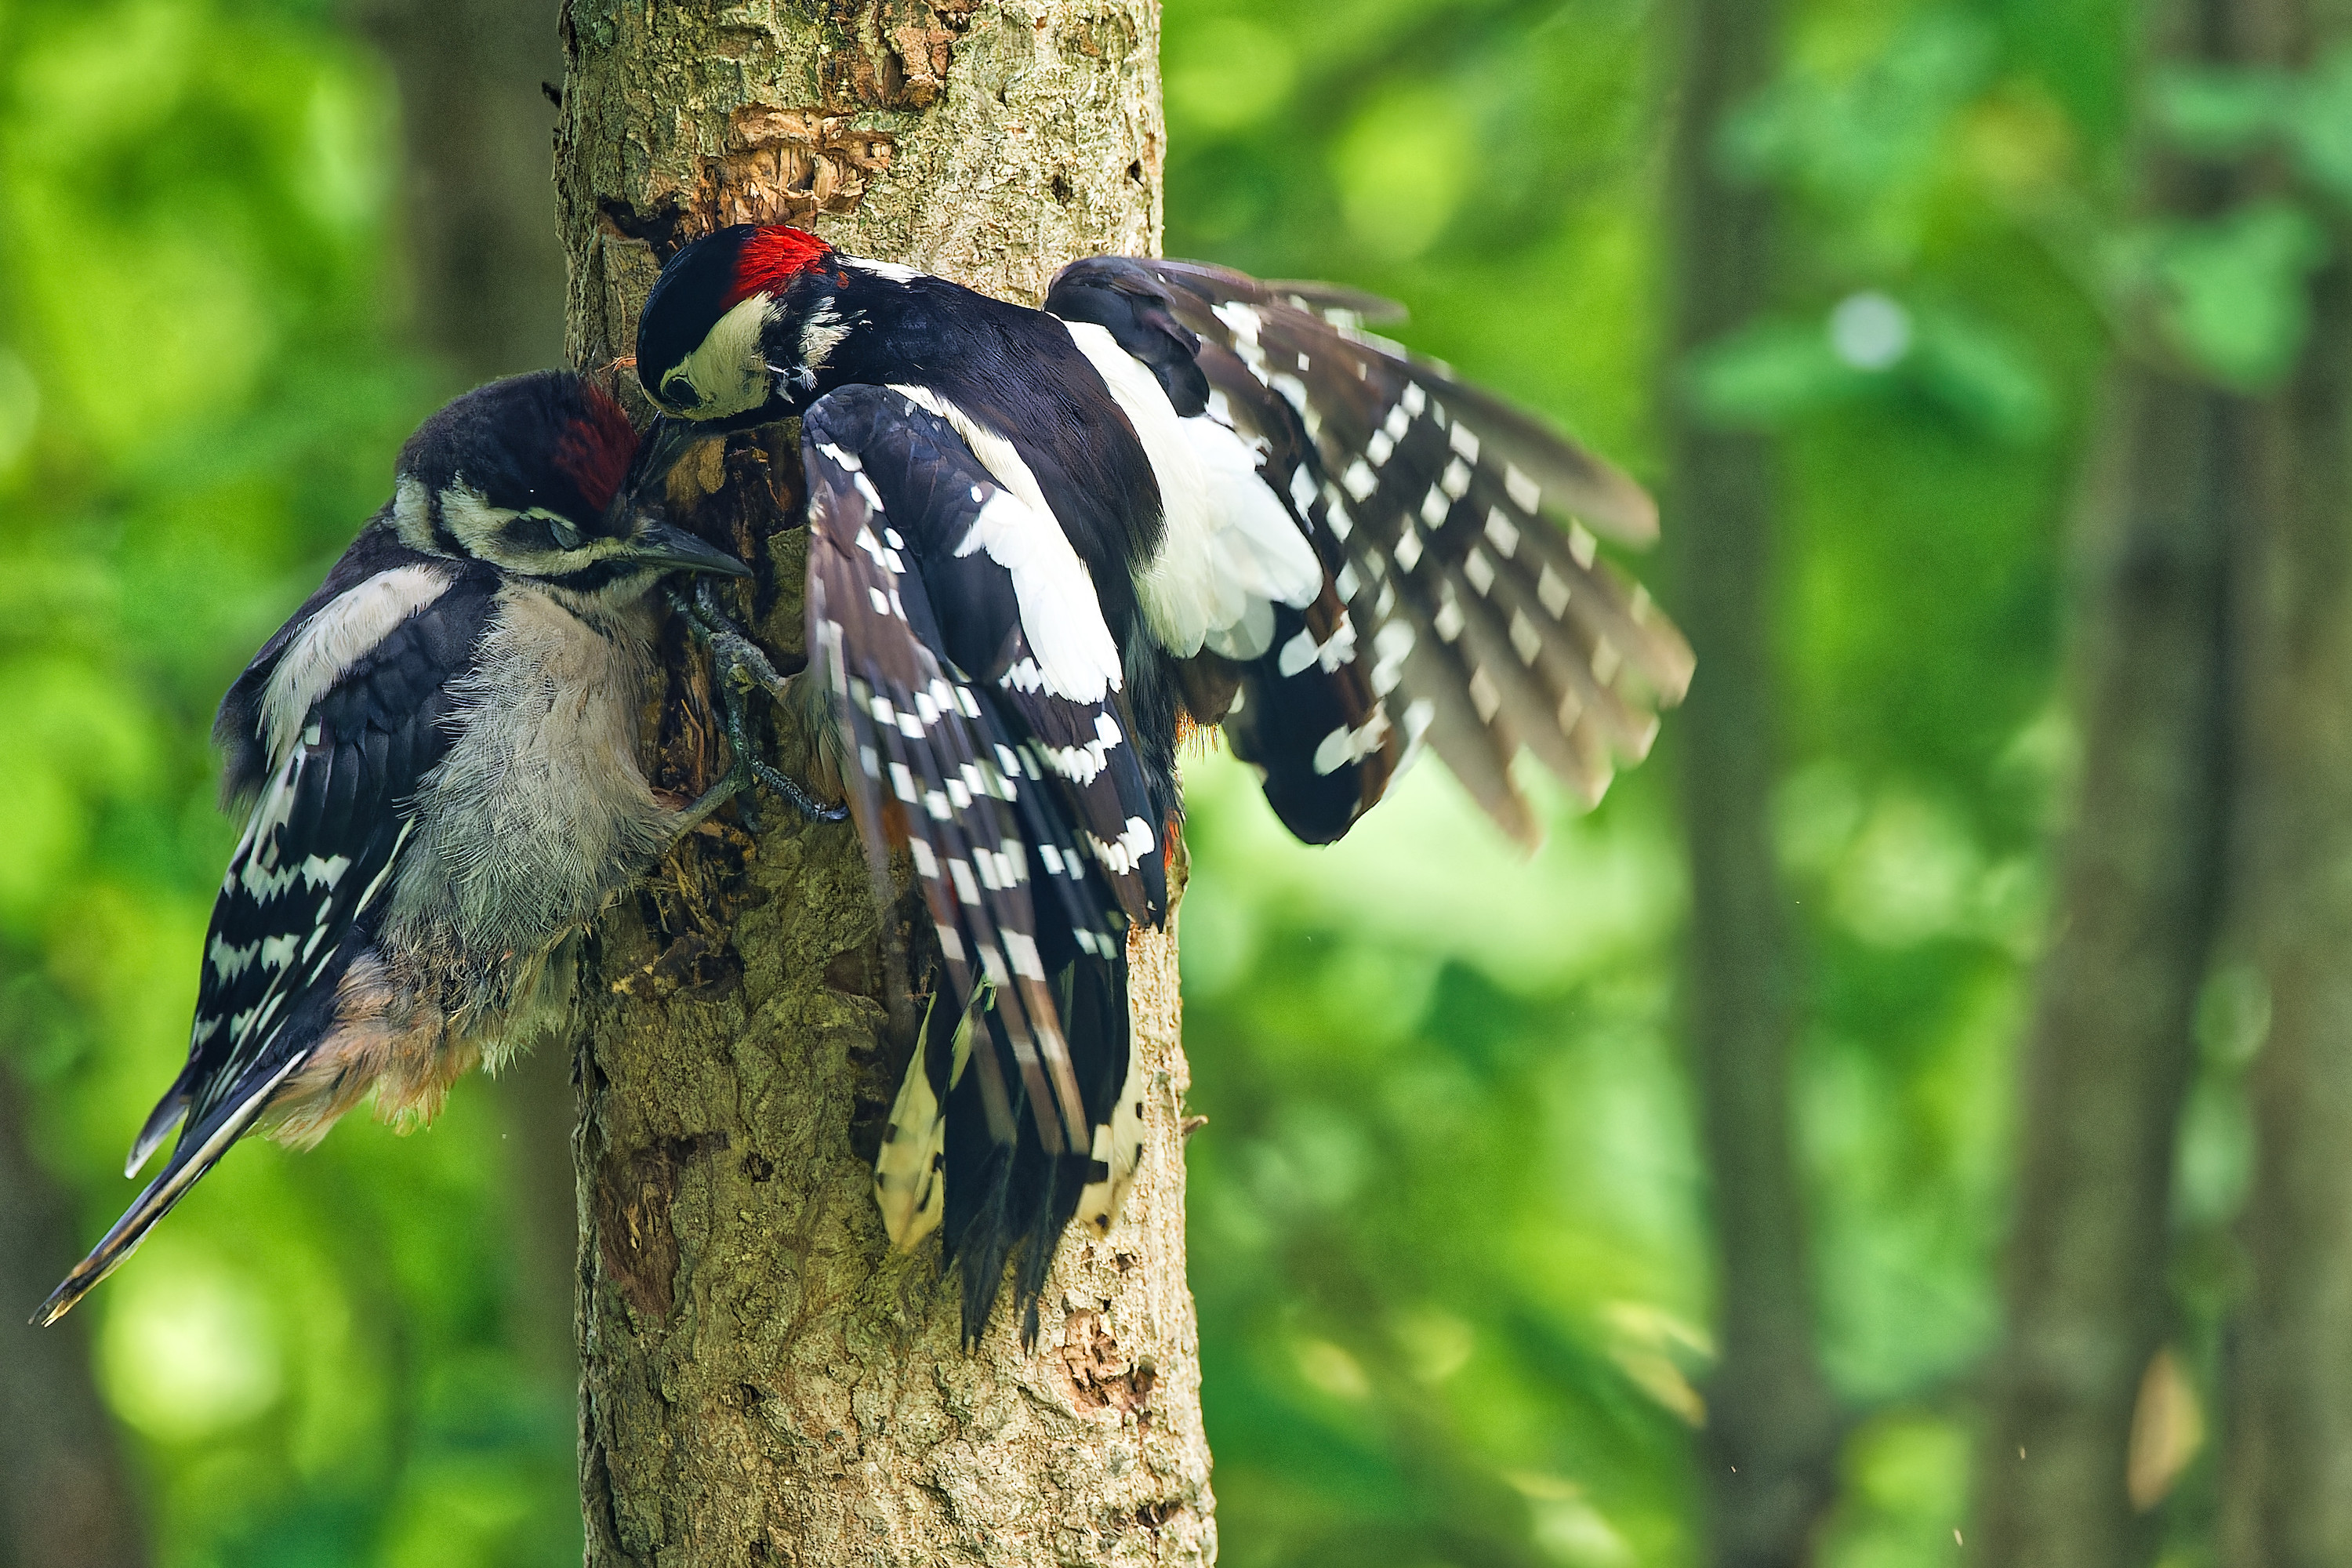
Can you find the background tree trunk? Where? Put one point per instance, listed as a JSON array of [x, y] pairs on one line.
[[485, 266], [487, 271], [2111, 1048], [66, 1497], [765, 1381], [2288, 1481], [1769, 1445]]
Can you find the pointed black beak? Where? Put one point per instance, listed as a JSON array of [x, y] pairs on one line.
[[659, 545], [659, 452]]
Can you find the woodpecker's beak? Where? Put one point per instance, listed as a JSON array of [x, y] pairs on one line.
[[659, 545], [658, 450]]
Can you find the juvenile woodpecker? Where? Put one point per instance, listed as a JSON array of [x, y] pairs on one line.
[[1041, 540], [439, 759]]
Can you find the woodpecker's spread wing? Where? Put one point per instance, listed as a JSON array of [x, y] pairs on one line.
[[1022, 804], [310, 880], [1485, 624]]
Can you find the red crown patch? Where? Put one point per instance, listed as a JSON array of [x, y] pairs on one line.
[[596, 451], [771, 258]]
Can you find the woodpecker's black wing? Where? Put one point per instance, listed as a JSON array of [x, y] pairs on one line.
[[978, 746], [313, 874], [1484, 624]]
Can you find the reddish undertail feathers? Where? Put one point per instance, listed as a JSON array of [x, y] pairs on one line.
[[773, 256]]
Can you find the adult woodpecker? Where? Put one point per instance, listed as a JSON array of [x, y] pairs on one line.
[[1044, 539], [438, 759]]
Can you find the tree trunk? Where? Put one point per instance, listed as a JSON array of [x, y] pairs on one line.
[[2110, 1051], [765, 1382], [2288, 1477], [65, 1499], [1769, 1445]]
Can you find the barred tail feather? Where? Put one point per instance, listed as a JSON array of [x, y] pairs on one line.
[[998, 1200], [199, 1150]]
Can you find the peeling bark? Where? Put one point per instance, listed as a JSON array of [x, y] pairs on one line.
[[766, 1382]]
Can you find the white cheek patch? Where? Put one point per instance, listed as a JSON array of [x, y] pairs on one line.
[[480, 529], [411, 516], [728, 372], [467, 514]]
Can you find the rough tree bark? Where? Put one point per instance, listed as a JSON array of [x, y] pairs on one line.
[[2109, 1052], [1769, 1445], [765, 1381], [65, 1497], [2288, 1476]]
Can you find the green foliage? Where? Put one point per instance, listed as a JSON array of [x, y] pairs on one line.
[[2231, 289], [1444, 1100], [201, 387], [1448, 1224]]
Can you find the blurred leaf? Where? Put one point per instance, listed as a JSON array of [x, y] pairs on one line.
[[2321, 124], [2230, 113], [2233, 290], [1775, 372], [1844, 141], [2223, 112], [1768, 374]]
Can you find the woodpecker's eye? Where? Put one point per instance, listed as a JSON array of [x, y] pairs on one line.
[[566, 537], [677, 388]]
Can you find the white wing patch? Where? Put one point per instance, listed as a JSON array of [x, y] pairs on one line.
[[348, 627], [1231, 551], [1060, 615]]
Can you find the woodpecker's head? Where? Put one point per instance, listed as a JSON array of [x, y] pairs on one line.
[[739, 324], [524, 474]]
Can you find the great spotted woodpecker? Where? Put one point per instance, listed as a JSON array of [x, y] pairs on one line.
[[1042, 540], [439, 755]]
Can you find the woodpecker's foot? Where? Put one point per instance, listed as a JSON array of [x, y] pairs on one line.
[[740, 665]]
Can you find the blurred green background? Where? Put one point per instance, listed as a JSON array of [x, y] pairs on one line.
[[1447, 1217]]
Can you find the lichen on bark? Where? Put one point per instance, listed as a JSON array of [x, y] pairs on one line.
[[764, 1381]]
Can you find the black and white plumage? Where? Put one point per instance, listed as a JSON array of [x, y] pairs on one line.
[[1008, 773], [1176, 493], [438, 759]]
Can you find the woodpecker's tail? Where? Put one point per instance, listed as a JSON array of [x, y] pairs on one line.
[[944, 1167], [200, 1149]]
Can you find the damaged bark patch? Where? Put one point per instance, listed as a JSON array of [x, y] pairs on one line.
[[634, 1237], [1100, 1378], [777, 165], [894, 53], [786, 165]]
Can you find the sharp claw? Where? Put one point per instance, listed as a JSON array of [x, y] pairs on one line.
[[808, 805], [741, 665]]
